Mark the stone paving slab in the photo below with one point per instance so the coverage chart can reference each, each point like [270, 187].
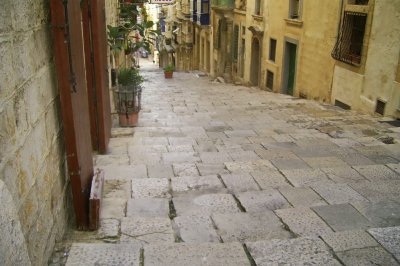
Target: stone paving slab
[298, 251]
[141, 149]
[124, 171]
[347, 240]
[105, 160]
[302, 197]
[180, 148]
[181, 141]
[239, 182]
[355, 159]
[211, 169]
[249, 166]
[150, 188]
[146, 230]
[195, 229]
[148, 158]
[395, 167]
[185, 169]
[377, 172]
[180, 157]
[113, 208]
[209, 183]
[117, 189]
[303, 221]
[304, 177]
[240, 156]
[366, 257]
[381, 214]
[337, 193]
[288, 164]
[147, 207]
[160, 171]
[325, 162]
[245, 226]
[214, 157]
[210, 254]
[269, 178]
[342, 217]
[343, 174]
[205, 204]
[260, 201]
[378, 191]
[104, 254]
[389, 238]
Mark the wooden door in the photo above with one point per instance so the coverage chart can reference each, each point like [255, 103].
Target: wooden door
[70, 69]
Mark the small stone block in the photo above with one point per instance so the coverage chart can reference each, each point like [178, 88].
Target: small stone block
[366, 257]
[269, 178]
[302, 197]
[389, 238]
[214, 157]
[196, 183]
[377, 172]
[196, 229]
[112, 208]
[185, 169]
[337, 193]
[347, 240]
[381, 214]
[239, 182]
[260, 201]
[109, 228]
[304, 177]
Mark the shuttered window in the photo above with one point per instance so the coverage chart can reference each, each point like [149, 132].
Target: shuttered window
[272, 49]
[349, 45]
[235, 42]
[270, 80]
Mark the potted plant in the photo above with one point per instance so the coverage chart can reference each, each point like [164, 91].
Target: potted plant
[169, 71]
[127, 96]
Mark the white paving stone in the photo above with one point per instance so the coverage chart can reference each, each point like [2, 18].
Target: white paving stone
[150, 188]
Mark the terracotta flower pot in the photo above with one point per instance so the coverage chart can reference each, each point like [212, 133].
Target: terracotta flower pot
[128, 120]
[168, 75]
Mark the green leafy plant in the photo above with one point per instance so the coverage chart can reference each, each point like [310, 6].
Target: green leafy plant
[130, 77]
[169, 68]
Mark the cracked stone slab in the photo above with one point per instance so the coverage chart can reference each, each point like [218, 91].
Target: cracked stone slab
[269, 178]
[211, 169]
[104, 254]
[260, 201]
[343, 174]
[124, 171]
[251, 227]
[298, 251]
[185, 169]
[302, 197]
[212, 254]
[337, 193]
[249, 166]
[304, 177]
[117, 189]
[389, 238]
[205, 204]
[303, 221]
[347, 240]
[377, 172]
[378, 191]
[160, 171]
[381, 214]
[112, 208]
[147, 207]
[195, 229]
[342, 217]
[109, 228]
[150, 188]
[239, 182]
[214, 157]
[196, 183]
[366, 257]
[147, 230]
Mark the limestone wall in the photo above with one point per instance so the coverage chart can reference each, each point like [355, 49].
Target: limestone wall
[32, 168]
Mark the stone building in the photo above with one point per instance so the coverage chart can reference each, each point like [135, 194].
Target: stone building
[366, 75]
[35, 187]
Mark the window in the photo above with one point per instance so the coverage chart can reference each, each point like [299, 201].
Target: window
[357, 2]
[272, 49]
[270, 80]
[350, 42]
[257, 10]
[243, 30]
[205, 8]
[294, 9]
[235, 42]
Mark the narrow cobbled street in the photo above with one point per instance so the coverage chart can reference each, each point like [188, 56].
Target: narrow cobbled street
[218, 174]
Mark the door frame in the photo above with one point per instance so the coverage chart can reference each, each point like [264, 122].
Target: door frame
[285, 68]
[255, 38]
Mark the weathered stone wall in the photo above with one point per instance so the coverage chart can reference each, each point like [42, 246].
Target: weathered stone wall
[32, 159]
